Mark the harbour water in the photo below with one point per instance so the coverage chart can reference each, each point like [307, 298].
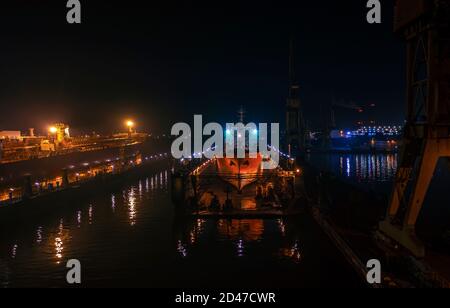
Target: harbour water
[368, 171]
[129, 236]
[376, 173]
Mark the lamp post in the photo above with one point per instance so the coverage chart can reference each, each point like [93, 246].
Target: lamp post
[130, 125]
[52, 132]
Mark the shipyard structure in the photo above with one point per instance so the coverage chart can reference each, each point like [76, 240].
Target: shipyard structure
[33, 164]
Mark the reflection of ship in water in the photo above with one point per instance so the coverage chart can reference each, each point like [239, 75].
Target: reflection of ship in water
[243, 234]
[241, 229]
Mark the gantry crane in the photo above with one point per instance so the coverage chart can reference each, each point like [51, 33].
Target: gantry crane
[424, 24]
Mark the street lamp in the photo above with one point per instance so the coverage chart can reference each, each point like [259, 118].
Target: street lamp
[130, 125]
[53, 134]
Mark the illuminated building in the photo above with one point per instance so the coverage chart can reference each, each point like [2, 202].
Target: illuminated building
[11, 135]
[366, 138]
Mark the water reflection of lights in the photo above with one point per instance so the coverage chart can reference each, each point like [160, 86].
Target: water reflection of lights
[166, 179]
[113, 203]
[196, 231]
[282, 227]
[132, 206]
[348, 167]
[14, 251]
[91, 214]
[240, 248]
[374, 167]
[250, 230]
[79, 218]
[59, 247]
[293, 252]
[181, 248]
[200, 223]
[193, 237]
[59, 240]
[140, 189]
[39, 235]
[379, 168]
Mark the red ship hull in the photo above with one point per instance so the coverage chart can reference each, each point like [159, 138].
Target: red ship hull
[240, 172]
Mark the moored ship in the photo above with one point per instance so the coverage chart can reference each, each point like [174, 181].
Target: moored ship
[240, 172]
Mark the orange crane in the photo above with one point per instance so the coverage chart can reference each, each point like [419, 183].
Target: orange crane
[425, 25]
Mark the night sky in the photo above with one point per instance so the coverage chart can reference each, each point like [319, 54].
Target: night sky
[161, 63]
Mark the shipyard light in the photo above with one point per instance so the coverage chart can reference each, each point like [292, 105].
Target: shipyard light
[130, 124]
[53, 130]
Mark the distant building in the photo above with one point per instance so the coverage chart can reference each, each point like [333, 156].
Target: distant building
[10, 134]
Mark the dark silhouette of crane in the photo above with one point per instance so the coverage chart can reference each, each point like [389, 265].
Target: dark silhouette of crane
[295, 124]
[425, 24]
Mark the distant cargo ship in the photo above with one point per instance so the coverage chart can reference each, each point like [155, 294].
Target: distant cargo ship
[98, 151]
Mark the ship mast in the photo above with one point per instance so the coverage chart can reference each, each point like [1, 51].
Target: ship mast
[295, 130]
[241, 114]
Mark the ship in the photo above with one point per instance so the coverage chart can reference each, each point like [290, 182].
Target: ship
[30, 156]
[240, 172]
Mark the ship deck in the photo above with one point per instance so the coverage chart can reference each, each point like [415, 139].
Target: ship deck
[265, 196]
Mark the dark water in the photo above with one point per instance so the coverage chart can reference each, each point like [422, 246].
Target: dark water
[376, 172]
[370, 171]
[129, 237]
